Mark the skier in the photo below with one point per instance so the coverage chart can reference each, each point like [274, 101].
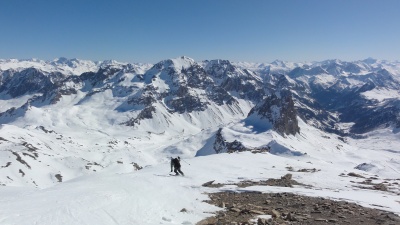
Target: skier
[175, 163]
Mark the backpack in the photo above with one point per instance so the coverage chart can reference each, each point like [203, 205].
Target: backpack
[176, 162]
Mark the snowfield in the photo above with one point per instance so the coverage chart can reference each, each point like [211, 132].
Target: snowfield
[119, 195]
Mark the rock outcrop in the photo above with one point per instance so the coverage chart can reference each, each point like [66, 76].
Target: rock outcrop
[277, 111]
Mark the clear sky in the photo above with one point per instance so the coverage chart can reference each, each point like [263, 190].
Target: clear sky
[245, 30]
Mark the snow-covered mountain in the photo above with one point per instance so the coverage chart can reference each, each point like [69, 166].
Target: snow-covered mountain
[63, 100]
[71, 118]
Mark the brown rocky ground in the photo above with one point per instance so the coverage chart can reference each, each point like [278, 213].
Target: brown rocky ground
[284, 181]
[288, 208]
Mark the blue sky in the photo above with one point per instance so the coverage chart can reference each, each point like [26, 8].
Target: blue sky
[152, 30]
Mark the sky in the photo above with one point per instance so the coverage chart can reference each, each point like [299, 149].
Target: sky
[153, 30]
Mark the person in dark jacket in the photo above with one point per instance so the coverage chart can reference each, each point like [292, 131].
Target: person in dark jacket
[176, 165]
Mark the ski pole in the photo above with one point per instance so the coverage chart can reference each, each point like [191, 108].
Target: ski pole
[186, 162]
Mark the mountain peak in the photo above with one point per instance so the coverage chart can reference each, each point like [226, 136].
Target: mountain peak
[182, 62]
[61, 60]
[278, 62]
[277, 111]
[370, 60]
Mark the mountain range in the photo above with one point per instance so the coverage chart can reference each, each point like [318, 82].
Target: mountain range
[66, 118]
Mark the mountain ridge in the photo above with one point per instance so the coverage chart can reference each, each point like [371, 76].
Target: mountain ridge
[78, 124]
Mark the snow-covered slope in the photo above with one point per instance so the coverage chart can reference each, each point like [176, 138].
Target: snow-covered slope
[151, 196]
[114, 117]
[102, 133]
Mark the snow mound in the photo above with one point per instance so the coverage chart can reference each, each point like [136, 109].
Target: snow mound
[279, 149]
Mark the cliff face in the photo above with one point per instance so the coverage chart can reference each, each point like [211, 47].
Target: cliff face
[277, 111]
[223, 146]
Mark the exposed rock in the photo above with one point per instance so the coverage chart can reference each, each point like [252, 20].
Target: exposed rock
[381, 187]
[291, 217]
[313, 170]
[21, 172]
[233, 79]
[146, 97]
[3, 139]
[136, 166]
[208, 221]
[277, 111]
[206, 184]
[235, 146]
[219, 143]
[333, 220]
[222, 146]
[285, 181]
[187, 104]
[262, 221]
[27, 81]
[7, 165]
[31, 148]
[288, 208]
[220, 96]
[19, 159]
[278, 94]
[275, 213]
[287, 177]
[184, 210]
[257, 212]
[59, 177]
[146, 113]
[45, 130]
[352, 174]
[235, 210]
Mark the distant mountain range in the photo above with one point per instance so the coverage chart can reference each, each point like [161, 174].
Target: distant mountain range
[66, 108]
[325, 93]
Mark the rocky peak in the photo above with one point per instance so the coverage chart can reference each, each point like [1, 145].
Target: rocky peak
[98, 78]
[170, 71]
[176, 64]
[30, 80]
[224, 69]
[370, 60]
[223, 146]
[219, 143]
[243, 83]
[196, 76]
[277, 111]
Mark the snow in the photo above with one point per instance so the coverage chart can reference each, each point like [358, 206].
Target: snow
[258, 124]
[182, 62]
[82, 139]
[117, 194]
[151, 196]
[381, 94]
[325, 80]
[277, 66]
[63, 65]
[7, 103]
